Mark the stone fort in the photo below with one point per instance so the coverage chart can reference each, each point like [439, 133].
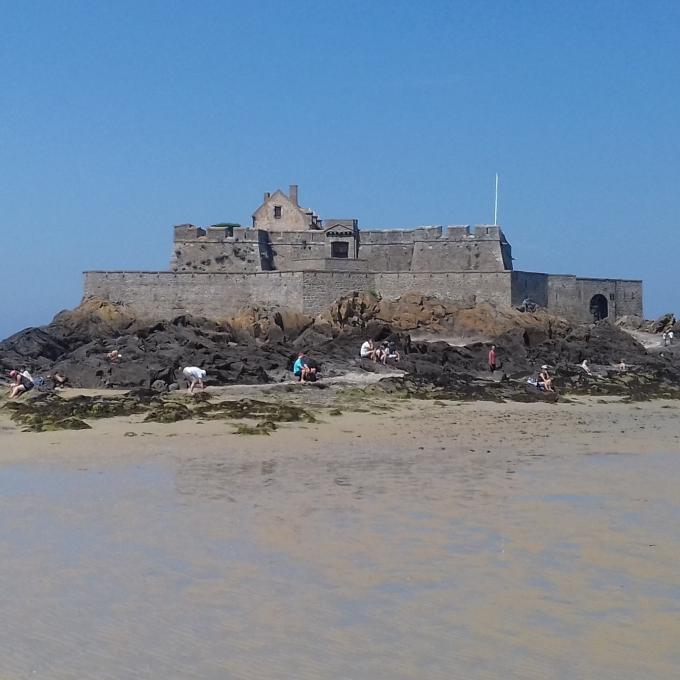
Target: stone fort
[290, 257]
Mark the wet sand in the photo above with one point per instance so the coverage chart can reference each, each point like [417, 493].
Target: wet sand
[437, 540]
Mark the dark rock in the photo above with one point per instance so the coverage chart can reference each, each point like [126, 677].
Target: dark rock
[264, 345]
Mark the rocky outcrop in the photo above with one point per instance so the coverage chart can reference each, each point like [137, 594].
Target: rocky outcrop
[665, 322]
[259, 344]
[269, 325]
[417, 312]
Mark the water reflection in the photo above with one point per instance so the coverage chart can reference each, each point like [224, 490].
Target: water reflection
[361, 565]
[423, 474]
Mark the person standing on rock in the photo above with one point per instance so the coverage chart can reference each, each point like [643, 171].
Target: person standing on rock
[492, 359]
[195, 376]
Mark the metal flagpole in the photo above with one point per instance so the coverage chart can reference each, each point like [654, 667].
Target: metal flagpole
[495, 204]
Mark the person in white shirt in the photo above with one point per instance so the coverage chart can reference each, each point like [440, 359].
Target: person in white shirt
[195, 376]
[22, 382]
[369, 351]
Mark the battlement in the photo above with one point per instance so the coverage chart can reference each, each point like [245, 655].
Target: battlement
[230, 247]
[455, 232]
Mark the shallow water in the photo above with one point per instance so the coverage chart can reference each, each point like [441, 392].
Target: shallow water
[349, 565]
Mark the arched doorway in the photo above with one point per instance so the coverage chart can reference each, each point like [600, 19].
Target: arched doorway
[599, 307]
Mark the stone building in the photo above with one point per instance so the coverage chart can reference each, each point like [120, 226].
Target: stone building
[291, 257]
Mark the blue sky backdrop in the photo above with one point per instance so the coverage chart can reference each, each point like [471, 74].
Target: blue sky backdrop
[120, 119]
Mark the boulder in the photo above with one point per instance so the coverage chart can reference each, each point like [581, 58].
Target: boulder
[631, 322]
[664, 322]
[268, 324]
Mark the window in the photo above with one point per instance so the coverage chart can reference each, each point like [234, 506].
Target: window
[611, 297]
[277, 212]
[340, 249]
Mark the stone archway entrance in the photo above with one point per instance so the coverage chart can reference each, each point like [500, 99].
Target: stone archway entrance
[599, 307]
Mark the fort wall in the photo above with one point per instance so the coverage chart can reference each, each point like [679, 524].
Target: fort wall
[164, 295]
[436, 249]
[571, 296]
[216, 294]
[320, 289]
[425, 249]
[465, 287]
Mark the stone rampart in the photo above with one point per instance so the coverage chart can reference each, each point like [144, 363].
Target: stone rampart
[216, 294]
[436, 249]
[320, 289]
[572, 297]
[168, 294]
[424, 249]
[467, 287]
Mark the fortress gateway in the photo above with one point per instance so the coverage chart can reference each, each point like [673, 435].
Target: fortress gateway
[291, 258]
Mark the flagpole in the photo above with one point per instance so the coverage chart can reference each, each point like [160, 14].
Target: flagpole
[495, 204]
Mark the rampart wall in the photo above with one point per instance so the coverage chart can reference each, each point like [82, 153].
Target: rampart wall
[425, 249]
[436, 249]
[168, 294]
[217, 294]
[570, 296]
[467, 287]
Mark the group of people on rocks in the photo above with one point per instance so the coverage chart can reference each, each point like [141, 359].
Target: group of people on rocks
[22, 382]
[387, 351]
[306, 369]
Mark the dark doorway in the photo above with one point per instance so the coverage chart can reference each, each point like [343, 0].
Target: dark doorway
[340, 249]
[599, 307]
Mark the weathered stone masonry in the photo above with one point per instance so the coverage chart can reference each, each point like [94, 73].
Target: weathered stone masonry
[292, 258]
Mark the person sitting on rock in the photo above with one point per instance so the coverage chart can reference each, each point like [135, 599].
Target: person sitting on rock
[302, 370]
[621, 366]
[370, 351]
[114, 355]
[22, 382]
[528, 305]
[389, 352]
[59, 380]
[195, 376]
[545, 380]
[585, 367]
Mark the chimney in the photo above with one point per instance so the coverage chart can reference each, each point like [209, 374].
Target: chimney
[292, 194]
[266, 196]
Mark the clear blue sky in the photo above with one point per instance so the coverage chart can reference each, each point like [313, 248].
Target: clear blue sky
[120, 119]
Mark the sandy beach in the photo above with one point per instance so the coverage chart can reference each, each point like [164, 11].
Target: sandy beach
[426, 540]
